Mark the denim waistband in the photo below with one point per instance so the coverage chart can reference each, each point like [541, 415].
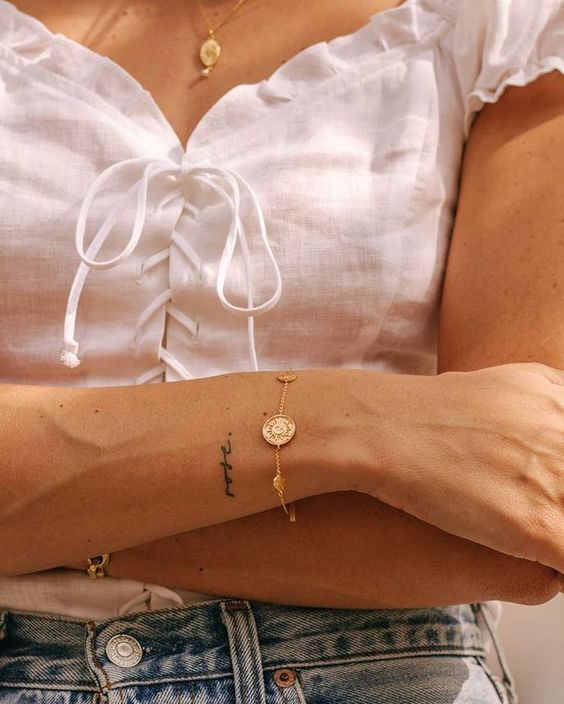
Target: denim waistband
[196, 641]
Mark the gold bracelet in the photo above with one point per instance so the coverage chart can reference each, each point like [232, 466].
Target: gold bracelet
[97, 565]
[278, 430]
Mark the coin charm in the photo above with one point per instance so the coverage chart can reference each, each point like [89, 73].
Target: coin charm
[287, 376]
[278, 429]
[209, 54]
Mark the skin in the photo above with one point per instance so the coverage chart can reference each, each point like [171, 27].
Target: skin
[128, 33]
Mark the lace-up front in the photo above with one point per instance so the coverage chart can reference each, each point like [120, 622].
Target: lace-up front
[227, 184]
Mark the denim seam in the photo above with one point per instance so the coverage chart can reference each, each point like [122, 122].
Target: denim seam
[297, 665]
[494, 681]
[390, 655]
[58, 687]
[91, 655]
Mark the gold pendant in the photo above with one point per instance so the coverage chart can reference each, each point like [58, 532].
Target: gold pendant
[210, 52]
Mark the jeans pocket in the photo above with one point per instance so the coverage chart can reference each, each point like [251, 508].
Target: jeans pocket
[404, 679]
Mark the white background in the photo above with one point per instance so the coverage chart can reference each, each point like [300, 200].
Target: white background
[533, 640]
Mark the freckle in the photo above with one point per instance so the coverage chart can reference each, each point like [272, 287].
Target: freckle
[60, 405]
[96, 410]
[347, 414]
[89, 540]
[40, 416]
[264, 413]
[226, 408]
[201, 569]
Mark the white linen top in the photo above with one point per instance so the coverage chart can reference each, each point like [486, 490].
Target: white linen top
[319, 201]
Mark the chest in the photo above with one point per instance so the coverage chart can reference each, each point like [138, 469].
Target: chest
[345, 163]
[158, 43]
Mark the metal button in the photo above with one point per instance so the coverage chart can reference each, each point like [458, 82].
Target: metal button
[124, 650]
[284, 677]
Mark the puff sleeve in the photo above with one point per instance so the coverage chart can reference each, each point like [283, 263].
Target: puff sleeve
[496, 43]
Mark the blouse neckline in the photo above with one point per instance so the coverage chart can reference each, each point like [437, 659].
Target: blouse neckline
[275, 77]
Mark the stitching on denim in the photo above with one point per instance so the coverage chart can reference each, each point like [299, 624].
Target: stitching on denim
[503, 698]
[91, 627]
[313, 663]
[389, 655]
[60, 686]
[298, 689]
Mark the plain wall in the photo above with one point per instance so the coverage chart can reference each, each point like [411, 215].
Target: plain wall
[533, 639]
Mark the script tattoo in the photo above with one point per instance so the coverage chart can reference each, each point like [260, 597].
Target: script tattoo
[226, 466]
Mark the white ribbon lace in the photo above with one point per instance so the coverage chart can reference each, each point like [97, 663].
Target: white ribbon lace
[228, 185]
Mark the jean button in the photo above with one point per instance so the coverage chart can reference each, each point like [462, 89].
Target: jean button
[124, 650]
[284, 677]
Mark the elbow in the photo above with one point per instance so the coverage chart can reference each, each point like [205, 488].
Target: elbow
[532, 584]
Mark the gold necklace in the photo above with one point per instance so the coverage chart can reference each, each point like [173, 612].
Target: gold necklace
[210, 49]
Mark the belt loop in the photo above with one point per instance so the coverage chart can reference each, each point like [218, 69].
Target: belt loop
[483, 610]
[3, 625]
[244, 647]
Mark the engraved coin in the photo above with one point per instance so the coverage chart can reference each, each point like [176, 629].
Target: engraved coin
[124, 650]
[209, 52]
[278, 429]
[287, 376]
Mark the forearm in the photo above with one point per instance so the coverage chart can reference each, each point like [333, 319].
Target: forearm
[105, 469]
[348, 550]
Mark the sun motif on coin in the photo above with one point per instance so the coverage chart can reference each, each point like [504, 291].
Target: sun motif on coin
[278, 429]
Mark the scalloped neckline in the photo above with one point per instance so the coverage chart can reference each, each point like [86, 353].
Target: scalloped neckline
[128, 77]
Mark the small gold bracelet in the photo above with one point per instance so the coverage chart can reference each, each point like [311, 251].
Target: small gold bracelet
[278, 430]
[97, 565]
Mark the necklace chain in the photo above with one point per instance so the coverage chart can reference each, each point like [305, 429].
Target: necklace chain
[210, 50]
[212, 30]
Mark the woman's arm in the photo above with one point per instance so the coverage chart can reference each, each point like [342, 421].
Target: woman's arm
[91, 470]
[348, 550]
[503, 294]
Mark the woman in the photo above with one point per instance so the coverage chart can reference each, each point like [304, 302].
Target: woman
[329, 140]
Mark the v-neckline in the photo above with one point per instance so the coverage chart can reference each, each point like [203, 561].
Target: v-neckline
[129, 78]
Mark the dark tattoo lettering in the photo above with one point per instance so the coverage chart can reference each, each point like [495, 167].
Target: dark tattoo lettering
[226, 466]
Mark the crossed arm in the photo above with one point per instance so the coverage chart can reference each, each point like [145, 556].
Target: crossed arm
[503, 300]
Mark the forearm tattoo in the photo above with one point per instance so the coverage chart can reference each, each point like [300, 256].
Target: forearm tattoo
[226, 467]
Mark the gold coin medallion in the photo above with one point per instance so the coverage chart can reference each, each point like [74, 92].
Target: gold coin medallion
[278, 429]
[287, 376]
[210, 52]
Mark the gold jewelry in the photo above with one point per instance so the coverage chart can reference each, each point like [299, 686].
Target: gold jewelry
[97, 565]
[278, 430]
[210, 49]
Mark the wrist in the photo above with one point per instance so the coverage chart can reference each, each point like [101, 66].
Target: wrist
[381, 439]
[336, 447]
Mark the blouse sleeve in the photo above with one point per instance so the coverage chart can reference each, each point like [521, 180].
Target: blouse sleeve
[496, 43]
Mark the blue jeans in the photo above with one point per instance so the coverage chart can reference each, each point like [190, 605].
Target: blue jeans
[234, 651]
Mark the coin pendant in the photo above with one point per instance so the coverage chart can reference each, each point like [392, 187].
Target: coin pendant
[278, 429]
[287, 376]
[209, 52]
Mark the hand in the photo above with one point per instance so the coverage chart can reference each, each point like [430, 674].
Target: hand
[480, 454]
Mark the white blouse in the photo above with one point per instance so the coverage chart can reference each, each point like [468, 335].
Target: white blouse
[306, 222]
